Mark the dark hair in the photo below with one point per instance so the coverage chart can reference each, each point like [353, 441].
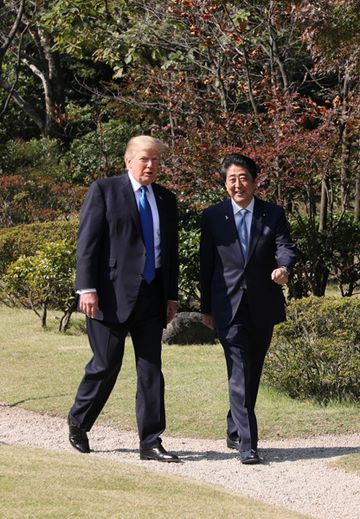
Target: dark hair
[238, 160]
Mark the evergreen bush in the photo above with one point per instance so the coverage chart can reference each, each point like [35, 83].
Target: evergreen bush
[42, 281]
[331, 254]
[26, 239]
[316, 352]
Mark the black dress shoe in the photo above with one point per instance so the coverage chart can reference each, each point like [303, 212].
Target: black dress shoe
[232, 444]
[78, 438]
[158, 454]
[250, 457]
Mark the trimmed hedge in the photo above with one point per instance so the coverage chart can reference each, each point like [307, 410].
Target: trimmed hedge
[26, 239]
[316, 352]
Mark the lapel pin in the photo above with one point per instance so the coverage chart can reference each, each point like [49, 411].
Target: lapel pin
[226, 217]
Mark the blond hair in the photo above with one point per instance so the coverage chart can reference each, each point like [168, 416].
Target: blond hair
[144, 142]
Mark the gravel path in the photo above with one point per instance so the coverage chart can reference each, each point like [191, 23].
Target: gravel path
[295, 474]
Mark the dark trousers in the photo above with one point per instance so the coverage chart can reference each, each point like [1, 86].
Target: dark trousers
[245, 342]
[107, 341]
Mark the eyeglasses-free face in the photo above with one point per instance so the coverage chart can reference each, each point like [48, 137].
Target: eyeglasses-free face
[240, 185]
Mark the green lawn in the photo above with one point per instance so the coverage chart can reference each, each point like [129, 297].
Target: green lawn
[42, 485]
[40, 370]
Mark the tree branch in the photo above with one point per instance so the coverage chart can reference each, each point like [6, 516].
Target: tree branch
[4, 47]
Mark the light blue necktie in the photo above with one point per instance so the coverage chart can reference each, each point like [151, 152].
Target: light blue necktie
[243, 232]
[148, 233]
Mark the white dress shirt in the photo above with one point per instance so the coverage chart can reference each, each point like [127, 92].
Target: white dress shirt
[155, 214]
[156, 222]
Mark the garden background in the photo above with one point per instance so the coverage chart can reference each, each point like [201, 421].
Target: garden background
[275, 79]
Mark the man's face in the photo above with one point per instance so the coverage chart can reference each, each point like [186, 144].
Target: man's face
[240, 185]
[143, 164]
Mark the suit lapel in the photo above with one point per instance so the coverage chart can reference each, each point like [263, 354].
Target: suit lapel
[256, 226]
[231, 230]
[131, 204]
[160, 202]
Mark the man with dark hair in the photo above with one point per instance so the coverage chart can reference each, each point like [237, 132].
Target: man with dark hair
[127, 279]
[246, 254]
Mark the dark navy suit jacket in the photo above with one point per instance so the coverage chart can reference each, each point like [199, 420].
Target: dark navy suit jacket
[223, 271]
[111, 251]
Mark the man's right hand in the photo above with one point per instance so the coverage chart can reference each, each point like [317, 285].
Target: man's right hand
[88, 303]
[208, 320]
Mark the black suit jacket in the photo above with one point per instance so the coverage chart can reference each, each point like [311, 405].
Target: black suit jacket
[111, 250]
[223, 271]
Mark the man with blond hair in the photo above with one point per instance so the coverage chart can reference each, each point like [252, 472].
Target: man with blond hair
[127, 281]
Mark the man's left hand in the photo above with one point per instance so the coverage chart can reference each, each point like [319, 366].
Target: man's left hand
[171, 310]
[280, 276]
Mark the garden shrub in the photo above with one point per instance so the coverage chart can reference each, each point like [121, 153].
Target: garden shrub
[36, 156]
[36, 199]
[189, 256]
[331, 254]
[316, 352]
[189, 293]
[42, 281]
[26, 239]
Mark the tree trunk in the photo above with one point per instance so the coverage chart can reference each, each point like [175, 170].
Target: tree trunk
[43, 315]
[345, 145]
[47, 69]
[323, 206]
[274, 52]
[26, 107]
[43, 63]
[320, 280]
[357, 188]
[65, 321]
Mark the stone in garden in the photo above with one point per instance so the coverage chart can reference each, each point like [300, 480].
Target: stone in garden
[187, 328]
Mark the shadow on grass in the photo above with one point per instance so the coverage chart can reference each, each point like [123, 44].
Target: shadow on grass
[33, 398]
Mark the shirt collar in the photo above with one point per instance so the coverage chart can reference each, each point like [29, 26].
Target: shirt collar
[135, 184]
[237, 208]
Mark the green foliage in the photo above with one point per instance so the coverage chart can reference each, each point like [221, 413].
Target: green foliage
[189, 297]
[15, 123]
[28, 200]
[98, 153]
[208, 78]
[315, 353]
[334, 252]
[87, 27]
[36, 156]
[26, 239]
[45, 280]
[189, 245]
[341, 25]
[346, 250]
